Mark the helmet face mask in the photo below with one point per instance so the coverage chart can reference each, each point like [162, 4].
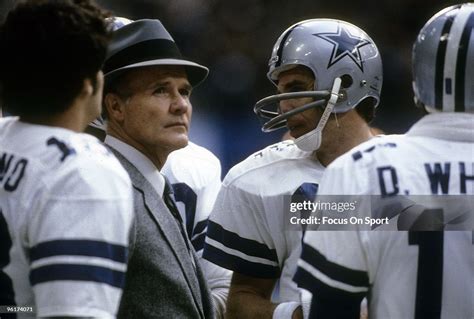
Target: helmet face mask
[443, 61]
[330, 49]
[268, 107]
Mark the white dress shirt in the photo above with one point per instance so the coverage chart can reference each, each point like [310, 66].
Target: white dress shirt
[140, 161]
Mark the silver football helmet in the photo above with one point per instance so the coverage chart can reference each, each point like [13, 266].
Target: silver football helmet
[443, 61]
[346, 65]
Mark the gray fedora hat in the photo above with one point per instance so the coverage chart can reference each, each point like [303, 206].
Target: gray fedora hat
[143, 43]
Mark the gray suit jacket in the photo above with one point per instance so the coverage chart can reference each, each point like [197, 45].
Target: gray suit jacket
[161, 281]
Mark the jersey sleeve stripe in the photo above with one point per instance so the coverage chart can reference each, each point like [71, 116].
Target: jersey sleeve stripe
[337, 303]
[230, 251]
[238, 264]
[334, 271]
[77, 273]
[198, 242]
[200, 226]
[305, 280]
[329, 281]
[74, 247]
[234, 241]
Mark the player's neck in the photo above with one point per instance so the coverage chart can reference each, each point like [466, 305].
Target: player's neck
[74, 119]
[343, 139]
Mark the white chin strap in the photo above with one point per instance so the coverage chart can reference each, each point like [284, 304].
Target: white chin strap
[311, 141]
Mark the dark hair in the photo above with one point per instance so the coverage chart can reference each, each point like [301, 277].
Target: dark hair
[366, 109]
[47, 50]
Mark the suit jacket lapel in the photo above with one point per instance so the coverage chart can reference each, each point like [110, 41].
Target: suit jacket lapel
[167, 224]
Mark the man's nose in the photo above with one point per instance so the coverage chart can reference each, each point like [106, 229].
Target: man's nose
[286, 105]
[179, 103]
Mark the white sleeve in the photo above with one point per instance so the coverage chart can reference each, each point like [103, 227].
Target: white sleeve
[218, 280]
[238, 238]
[333, 260]
[78, 239]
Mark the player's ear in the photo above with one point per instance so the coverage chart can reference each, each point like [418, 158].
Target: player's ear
[87, 88]
[91, 86]
[114, 106]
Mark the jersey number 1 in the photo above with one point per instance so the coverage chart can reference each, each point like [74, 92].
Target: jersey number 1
[430, 273]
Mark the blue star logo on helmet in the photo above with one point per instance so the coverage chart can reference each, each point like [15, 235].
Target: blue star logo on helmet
[344, 44]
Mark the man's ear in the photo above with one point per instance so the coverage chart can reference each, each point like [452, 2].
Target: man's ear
[87, 87]
[115, 107]
[90, 86]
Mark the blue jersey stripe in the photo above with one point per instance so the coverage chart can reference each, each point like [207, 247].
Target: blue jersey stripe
[198, 242]
[238, 264]
[334, 271]
[234, 241]
[200, 226]
[329, 302]
[72, 247]
[77, 273]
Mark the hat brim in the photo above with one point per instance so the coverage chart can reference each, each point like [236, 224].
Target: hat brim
[196, 73]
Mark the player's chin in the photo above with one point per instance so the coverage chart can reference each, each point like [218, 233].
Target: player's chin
[298, 132]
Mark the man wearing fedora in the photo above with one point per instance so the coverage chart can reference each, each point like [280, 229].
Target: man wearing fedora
[146, 98]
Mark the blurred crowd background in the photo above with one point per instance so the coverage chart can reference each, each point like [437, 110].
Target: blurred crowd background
[235, 38]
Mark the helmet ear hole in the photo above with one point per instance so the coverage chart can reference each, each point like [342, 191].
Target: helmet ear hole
[346, 81]
[366, 108]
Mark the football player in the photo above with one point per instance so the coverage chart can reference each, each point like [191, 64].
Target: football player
[65, 201]
[328, 74]
[408, 274]
[195, 175]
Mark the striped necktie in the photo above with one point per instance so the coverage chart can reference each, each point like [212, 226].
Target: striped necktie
[168, 198]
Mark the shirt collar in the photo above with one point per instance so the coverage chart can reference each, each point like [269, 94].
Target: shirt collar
[457, 127]
[140, 161]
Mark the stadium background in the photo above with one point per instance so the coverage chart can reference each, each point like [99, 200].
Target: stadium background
[234, 39]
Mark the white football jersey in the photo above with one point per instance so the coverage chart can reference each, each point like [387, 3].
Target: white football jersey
[65, 214]
[404, 274]
[195, 174]
[247, 231]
